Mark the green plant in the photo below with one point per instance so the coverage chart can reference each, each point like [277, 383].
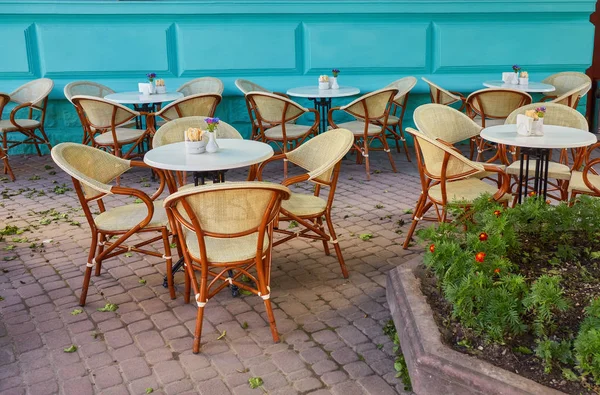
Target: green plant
[587, 343]
[389, 329]
[549, 351]
[108, 307]
[545, 298]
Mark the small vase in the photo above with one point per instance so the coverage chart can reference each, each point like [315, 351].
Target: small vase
[537, 127]
[515, 79]
[151, 88]
[334, 83]
[212, 146]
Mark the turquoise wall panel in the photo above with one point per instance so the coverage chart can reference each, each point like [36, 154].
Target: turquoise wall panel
[16, 49]
[282, 44]
[374, 46]
[251, 48]
[102, 49]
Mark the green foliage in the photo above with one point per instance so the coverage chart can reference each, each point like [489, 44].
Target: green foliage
[255, 382]
[545, 298]
[70, 349]
[108, 307]
[365, 236]
[389, 329]
[549, 351]
[587, 343]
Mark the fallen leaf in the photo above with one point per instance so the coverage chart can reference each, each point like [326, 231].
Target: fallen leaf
[73, 348]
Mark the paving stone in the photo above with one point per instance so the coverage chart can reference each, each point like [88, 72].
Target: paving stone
[118, 338]
[168, 371]
[376, 385]
[324, 366]
[287, 361]
[358, 369]
[344, 355]
[135, 368]
[149, 340]
[213, 386]
[308, 384]
[334, 377]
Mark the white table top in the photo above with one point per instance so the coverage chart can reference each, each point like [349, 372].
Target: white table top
[232, 154]
[138, 98]
[554, 137]
[532, 87]
[314, 91]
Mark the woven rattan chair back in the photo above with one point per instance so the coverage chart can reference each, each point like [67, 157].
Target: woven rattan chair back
[173, 131]
[202, 85]
[246, 86]
[438, 121]
[320, 154]
[572, 97]
[203, 104]
[94, 169]
[495, 103]
[431, 155]
[86, 88]
[567, 81]
[273, 109]
[440, 95]
[227, 210]
[372, 106]
[404, 86]
[34, 92]
[103, 114]
[4, 100]
[556, 114]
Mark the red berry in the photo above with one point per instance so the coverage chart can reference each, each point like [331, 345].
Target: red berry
[480, 257]
[483, 236]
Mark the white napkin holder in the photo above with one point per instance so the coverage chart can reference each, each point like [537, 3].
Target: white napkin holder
[524, 125]
[161, 90]
[324, 85]
[145, 88]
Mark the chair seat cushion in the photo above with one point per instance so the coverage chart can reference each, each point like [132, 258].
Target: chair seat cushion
[577, 183]
[220, 250]
[392, 120]
[467, 190]
[302, 205]
[123, 218]
[488, 122]
[358, 128]
[292, 132]
[124, 136]
[7, 126]
[557, 171]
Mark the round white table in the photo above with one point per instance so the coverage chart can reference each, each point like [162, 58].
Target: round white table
[232, 154]
[322, 99]
[532, 87]
[538, 148]
[145, 104]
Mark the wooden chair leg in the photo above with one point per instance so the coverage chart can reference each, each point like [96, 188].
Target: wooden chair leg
[365, 155]
[198, 330]
[45, 136]
[336, 245]
[7, 168]
[325, 242]
[201, 300]
[88, 270]
[101, 240]
[386, 148]
[403, 138]
[419, 211]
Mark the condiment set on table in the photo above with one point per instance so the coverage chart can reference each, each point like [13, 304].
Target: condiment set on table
[325, 82]
[516, 77]
[199, 141]
[153, 86]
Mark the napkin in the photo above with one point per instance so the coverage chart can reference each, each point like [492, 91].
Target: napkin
[144, 88]
[507, 77]
[524, 125]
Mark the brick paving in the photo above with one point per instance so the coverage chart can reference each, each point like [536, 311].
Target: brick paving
[331, 328]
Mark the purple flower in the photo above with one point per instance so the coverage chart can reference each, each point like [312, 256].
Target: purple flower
[151, 76]
[212, 120]
[335, 72]
[516, 68]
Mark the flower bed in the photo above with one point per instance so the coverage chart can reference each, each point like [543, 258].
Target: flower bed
[520, 288]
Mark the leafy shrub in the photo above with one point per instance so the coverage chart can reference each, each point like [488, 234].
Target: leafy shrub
[587, 343]
[550, 350]
[545, 297]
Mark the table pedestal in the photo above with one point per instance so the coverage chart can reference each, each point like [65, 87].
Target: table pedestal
[322, 105]
[199, 179]
[540, 177]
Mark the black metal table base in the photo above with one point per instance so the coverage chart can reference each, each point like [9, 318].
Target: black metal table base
[199, 179]
[540, 156]
[322, 105]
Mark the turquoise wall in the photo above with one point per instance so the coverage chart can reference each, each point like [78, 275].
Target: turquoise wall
[285, 43]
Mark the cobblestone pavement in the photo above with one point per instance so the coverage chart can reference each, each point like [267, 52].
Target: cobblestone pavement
[331, 328]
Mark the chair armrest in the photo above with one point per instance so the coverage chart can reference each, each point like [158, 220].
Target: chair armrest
[159, 172]
[281, 94]
[118, 190]
[330, 117]
[15, 110]
[296, 179]
[547, 98]
[264, 163]
[317, 116]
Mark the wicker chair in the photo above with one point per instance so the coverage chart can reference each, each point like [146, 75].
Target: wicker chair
[227, 227]
[92, 171]
[5, 99]
[274, 114]
[173, 132]
[202, 85]
[586, 181]
[447, 124]
[567, 81]
[572, 97]
[201, 104]
[559, 115]
[397, 110]
[321, 158]
[100, 114]
[246, 86]
[33, 96]
[89, 88]
[490, 107]
[371, 112]
[447, 176]
[443, 96]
